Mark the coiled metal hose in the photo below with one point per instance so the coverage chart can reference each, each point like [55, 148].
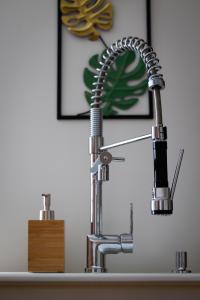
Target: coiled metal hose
[155, 79]
[119, 47]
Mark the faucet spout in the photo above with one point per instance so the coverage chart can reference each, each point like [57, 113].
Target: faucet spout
[99, 246]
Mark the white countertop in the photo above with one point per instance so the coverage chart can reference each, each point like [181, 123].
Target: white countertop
[25, 277]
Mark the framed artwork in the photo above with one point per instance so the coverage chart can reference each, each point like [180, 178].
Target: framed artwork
[85, 29]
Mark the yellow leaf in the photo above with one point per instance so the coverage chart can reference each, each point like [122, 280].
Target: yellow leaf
[85, 17]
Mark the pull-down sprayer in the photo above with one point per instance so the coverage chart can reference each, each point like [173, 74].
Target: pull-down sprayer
[99, 244]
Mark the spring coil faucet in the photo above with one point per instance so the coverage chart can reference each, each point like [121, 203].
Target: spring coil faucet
[99, 244]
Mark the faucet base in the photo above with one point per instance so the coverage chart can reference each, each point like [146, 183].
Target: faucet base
[95, 269]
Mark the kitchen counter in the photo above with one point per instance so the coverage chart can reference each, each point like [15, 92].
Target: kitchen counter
[25, 277]
[140, 286]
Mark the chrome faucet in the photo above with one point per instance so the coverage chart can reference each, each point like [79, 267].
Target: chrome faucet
[99, 244]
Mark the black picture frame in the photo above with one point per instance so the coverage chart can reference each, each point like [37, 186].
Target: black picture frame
[60, 115]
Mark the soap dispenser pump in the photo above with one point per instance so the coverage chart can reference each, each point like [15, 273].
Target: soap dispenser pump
[46, 213]
[46, 241]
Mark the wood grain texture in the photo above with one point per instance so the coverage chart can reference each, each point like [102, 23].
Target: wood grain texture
[46, 246]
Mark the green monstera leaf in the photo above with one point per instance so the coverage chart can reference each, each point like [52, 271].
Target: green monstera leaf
[124, 84]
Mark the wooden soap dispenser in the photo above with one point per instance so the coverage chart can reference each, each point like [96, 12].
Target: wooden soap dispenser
[46, 241]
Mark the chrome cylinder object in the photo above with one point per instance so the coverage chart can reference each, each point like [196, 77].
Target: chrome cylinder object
[158, 106]
[46, 213]
[161, 203]
[181, 262]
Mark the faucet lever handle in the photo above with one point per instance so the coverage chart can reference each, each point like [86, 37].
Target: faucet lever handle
[118, 159]
[127, 238]
[176, 173]
[131, 218]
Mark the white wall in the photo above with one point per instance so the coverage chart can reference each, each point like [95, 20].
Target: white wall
[40, 154]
